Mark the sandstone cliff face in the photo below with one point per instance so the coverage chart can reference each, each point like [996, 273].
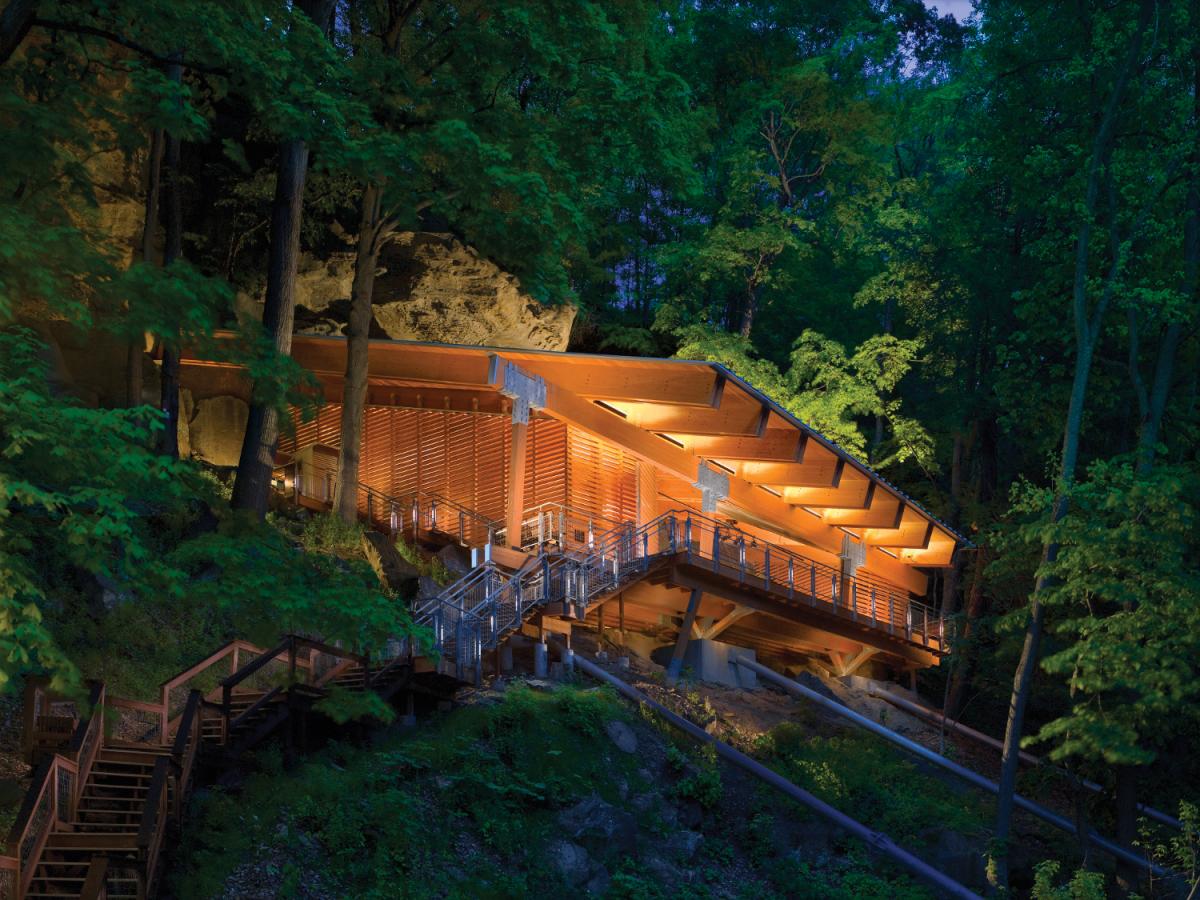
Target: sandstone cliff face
[430, 287]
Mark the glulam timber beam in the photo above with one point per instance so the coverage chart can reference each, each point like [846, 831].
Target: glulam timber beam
[853, 492]
[730, 418]
[773, 445]
[676, 384]
[744, 499]
[885, 512]
[817, 473]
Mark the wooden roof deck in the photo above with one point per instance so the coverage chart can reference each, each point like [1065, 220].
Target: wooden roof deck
[784, 477]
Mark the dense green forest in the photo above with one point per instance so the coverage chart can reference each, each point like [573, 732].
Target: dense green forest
[968, 251]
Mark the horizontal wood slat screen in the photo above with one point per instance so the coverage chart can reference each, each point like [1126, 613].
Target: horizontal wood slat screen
[601, 478]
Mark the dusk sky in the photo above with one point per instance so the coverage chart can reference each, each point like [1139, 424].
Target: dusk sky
[960, 9]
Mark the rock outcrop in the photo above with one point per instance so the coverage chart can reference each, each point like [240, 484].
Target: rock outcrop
[430, 287]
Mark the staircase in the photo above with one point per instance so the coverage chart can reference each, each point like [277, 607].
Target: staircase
[479, 611]
[102, 802]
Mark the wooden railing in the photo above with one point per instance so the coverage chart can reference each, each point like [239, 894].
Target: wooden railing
[52, 799]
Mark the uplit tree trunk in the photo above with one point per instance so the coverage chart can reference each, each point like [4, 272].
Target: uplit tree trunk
[257, 459]
[371, 232]
[136, 349]
[1087, 333]
[172, 250]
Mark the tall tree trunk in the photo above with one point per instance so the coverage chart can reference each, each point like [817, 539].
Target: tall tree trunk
[1154, 405]
[172, 250]
[1165, 366]
[748, 312]
[15, 21]
[257, 459]
[1087, 332]
[354, 389]
[136, 351]
[965, 654]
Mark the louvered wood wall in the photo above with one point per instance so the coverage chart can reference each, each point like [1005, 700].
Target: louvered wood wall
[461, 456]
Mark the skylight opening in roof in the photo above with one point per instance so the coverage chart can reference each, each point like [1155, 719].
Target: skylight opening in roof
[610, 408]
[670, 440]
[812, 513]
[770, 490]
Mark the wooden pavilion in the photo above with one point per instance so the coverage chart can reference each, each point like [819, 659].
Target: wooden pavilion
[762, 531]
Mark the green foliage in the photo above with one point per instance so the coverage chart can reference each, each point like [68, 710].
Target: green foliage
[343, 705]
[1084, 885]
[860, 772]
[266, 585]
[82, 496]
[703, 785]
[386, 822]
[1125, 598]
[329, 533]
[835, 393]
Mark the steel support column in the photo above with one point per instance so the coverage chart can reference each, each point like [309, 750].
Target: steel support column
[685, 633]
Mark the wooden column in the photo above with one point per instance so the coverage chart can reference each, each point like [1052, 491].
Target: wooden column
[685, 633]
[516, 483]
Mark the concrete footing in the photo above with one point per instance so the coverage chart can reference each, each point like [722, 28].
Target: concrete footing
[541, 660]
[716, 662]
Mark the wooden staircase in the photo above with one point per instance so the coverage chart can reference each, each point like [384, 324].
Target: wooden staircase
[105, 797]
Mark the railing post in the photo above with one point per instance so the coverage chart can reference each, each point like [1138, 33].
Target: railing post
[393, 518]
[908, 621]
[874, 618]
[741, 560]
[370, 507]
[854, 599]
[925, 625]
[645, 550]
[891, 613]
[767, 568]
[462, 527]
[716, 551]
[416, 517]
[687, 536]
[833, 591]
[791, 578]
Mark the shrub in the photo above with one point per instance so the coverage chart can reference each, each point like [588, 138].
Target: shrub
[328, 533]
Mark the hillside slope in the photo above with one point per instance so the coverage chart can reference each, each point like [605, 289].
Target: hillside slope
[535, 786]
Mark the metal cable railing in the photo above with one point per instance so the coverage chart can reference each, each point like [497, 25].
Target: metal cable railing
[475, 613]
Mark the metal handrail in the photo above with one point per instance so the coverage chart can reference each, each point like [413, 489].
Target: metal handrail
[426, 511]
[476, 612]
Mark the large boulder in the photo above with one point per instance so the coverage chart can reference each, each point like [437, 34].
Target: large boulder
[600, 827]
[430, 287]
[215, 428]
